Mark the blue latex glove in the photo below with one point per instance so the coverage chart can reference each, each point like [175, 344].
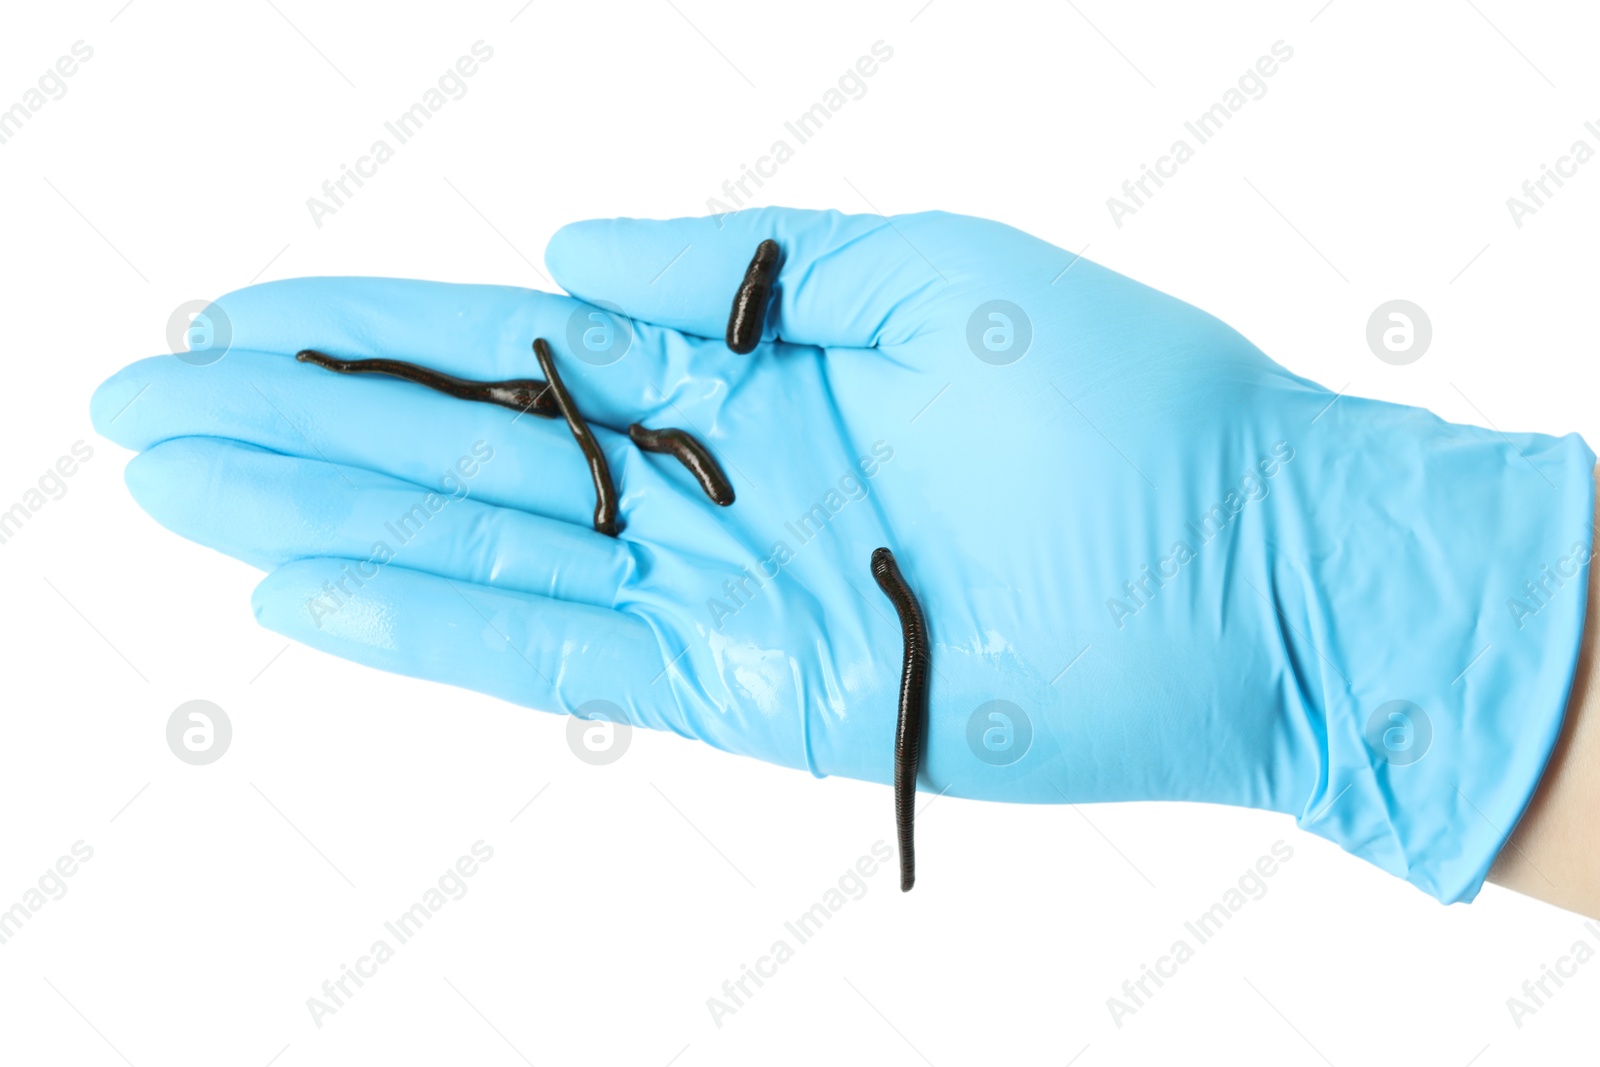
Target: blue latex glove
[1190, 574]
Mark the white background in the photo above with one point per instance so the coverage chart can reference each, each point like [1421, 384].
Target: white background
[219, 898]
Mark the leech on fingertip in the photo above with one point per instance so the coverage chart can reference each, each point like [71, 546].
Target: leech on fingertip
[518, 394]
[695, 457]
[749, 312]
[913, 714]
[605, 493]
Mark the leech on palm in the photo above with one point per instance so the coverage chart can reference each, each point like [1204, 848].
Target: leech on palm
[525, 395]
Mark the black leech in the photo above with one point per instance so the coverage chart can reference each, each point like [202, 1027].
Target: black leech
[913, 704]
[692, 454]
[519, 394]
[749, 312]
[605, 494]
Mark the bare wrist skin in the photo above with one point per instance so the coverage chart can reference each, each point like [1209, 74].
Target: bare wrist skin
[1552, 853]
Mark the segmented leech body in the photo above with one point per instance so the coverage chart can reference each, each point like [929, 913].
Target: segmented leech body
[532, 396]
[749, 312]
[692, 454]
[605, 493]
[913, 705]
[519, 394]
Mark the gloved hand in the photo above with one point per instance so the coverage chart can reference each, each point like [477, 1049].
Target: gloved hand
[1182, 571]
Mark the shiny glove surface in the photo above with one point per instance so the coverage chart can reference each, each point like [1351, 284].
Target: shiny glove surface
[1155, 564]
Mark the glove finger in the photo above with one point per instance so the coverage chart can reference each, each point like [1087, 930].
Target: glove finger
[844, 280]
[268, 509]
[388, 426]
[546, 654]
[482, 332]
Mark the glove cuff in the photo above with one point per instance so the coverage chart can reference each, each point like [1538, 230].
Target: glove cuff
[1449, 566]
